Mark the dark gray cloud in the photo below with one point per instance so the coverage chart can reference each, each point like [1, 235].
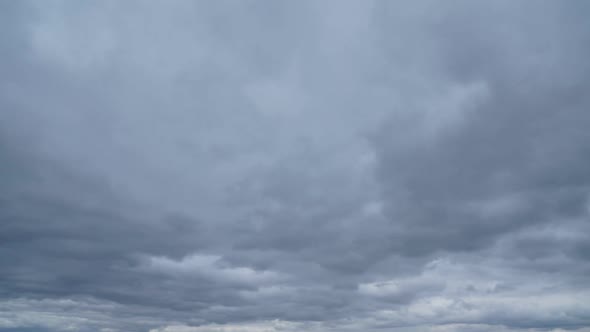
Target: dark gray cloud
[197, 166]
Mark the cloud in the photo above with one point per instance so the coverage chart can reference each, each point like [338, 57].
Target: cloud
[286, 166]
[258, 327]
[210, 267]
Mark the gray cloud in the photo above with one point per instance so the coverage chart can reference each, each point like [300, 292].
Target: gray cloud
[319, 166]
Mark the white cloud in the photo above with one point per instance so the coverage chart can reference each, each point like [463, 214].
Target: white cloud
[210, 266]
[268, 326]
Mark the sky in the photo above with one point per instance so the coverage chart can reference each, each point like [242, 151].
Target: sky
[286, 166]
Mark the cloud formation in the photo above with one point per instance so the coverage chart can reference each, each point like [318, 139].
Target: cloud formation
[254, 166]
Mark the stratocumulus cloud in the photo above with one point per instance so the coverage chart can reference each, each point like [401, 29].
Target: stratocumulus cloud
[265, 166]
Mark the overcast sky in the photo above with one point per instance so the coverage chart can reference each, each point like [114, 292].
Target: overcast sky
[289, 166]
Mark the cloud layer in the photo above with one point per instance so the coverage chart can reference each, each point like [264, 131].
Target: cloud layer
[252, 166]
